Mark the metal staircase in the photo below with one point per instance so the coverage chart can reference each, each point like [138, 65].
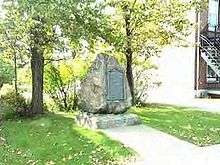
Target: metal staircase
[210, 52]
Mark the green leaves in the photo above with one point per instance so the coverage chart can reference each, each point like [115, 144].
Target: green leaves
[61, 80]
[36, 22]
[151, 22]
[6, 73]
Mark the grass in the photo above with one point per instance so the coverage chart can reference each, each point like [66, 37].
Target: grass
[55, 139]
[198, 127]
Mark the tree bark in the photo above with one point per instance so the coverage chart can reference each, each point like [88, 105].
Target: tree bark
[1, 84]
[15, 73]
[129, 53]
[129, 74]
[37, 68]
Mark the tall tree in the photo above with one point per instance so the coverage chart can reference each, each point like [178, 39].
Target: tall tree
[10, 34]
[138, 29]
[39, 41]
[46, 25]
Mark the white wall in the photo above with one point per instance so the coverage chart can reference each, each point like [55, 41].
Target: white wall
[176, 67]
[176, 74]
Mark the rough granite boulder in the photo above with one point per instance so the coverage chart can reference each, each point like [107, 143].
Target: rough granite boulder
[105, 89]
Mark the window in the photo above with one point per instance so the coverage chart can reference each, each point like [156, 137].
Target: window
[213, 14]
[212, 77]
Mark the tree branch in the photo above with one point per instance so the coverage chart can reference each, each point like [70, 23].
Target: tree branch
[52, 60]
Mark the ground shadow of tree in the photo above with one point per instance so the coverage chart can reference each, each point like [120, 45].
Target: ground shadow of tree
[56, 137]
[197, 127]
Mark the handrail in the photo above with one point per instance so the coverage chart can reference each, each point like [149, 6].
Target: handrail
[209, 44]
[206, 30]
[213, 32]
[215, 68]
[204, 38]
[215, 43]
[211, 53]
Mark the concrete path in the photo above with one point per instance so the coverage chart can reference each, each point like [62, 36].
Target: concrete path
[210, 105]
[157, 148]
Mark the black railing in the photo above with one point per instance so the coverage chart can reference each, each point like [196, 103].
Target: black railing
[211, 51]
[211, 76]
[208, 44]
[212, 35]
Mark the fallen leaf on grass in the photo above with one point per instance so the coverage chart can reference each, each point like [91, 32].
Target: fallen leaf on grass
[2, 140]
[50, 162]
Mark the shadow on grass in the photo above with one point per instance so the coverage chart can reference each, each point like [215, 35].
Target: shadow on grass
[161, 106]
[56, 138]
[198, 127]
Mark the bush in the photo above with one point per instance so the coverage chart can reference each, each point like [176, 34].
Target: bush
[60, 85]
[12, 105]
[6, 72]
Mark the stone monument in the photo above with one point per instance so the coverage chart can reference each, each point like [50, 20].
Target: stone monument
[104, 96]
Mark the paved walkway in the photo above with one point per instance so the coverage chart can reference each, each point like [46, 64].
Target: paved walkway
[157, 148]
[211, 105]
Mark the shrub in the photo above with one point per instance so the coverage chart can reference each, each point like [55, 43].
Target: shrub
[6, 72]
[145, 79]
[60, 85]
[12, 105]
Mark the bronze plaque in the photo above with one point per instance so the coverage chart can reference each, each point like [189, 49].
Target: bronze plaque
[115, 85]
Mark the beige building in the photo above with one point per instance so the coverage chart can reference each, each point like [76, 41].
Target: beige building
[193, 71]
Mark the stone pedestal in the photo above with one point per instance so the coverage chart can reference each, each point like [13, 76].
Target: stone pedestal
[104, 121]
[104, 96]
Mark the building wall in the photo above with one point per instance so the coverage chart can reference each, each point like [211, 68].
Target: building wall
[176, 74]
[177, 70]
[203, 85]
[203, 19]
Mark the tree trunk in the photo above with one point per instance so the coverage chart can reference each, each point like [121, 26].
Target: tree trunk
[65, 100]
[130, 77]
[37, 67]
[15, 73]
[129, 74]
[129, 53]
[1, 84]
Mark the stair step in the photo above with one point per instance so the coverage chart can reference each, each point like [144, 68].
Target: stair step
[213, 57]
[210, 52]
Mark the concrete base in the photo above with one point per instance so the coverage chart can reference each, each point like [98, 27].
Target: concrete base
[104, 121]
[208, 93]
[201, 94]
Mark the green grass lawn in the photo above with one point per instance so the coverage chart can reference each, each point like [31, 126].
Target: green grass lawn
[55, 139]
[200, 128]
